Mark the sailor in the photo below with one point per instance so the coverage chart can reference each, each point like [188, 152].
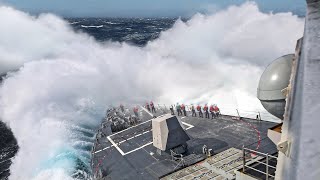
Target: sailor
[171, 109]
[193, 111]
[178, 107]
[131, 121]
[135, 110]
[213, 115]
[200, 111]
[122, 107]
[148, 107]
[152, 107]
[183, 108]
[205, 109]
[216, 110]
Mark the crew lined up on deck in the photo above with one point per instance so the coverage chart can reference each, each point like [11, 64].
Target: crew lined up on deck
[181, 110]
[135, 110]
[152, 109]
[213, 109]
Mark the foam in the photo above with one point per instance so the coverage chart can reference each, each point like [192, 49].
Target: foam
[99, 26]
[67, 79]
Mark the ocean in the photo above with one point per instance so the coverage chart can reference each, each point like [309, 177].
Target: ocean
[136, 31]
[69, 70]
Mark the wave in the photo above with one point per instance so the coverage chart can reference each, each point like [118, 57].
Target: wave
[75, 22]
[56, 100]
[109, 22]
[99, 26]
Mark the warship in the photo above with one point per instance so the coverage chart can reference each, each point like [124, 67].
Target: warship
[162, 145]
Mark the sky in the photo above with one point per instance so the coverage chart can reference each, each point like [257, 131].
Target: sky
[144, 8]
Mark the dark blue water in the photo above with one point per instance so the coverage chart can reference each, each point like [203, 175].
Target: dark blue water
[137, 31]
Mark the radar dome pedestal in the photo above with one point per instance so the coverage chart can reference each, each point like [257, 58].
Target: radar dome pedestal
[274, 79]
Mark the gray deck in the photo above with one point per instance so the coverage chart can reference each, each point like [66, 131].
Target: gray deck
[129, 154]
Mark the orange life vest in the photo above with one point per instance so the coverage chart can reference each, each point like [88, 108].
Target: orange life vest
[216, 108]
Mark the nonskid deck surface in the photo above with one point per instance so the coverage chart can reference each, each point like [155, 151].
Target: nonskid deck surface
[218, 167]
[129, 154]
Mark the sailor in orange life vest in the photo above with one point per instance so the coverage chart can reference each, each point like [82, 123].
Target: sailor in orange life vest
[205, 109]
[148, 107]
[135, 110]
[213, 115]
[200, 111]
[216, 110]
[193, 111]
[183, 108]
[152, 107]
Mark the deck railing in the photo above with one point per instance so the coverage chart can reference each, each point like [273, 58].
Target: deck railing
[267, 158]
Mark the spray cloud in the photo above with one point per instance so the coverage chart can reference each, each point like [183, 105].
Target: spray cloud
[67, 79]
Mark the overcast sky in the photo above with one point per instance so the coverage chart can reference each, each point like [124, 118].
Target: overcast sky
[144, 8]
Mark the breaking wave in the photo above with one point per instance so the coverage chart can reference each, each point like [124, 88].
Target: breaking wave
[75, 22]
[56, 100]
[108, 22]
[84, 26]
